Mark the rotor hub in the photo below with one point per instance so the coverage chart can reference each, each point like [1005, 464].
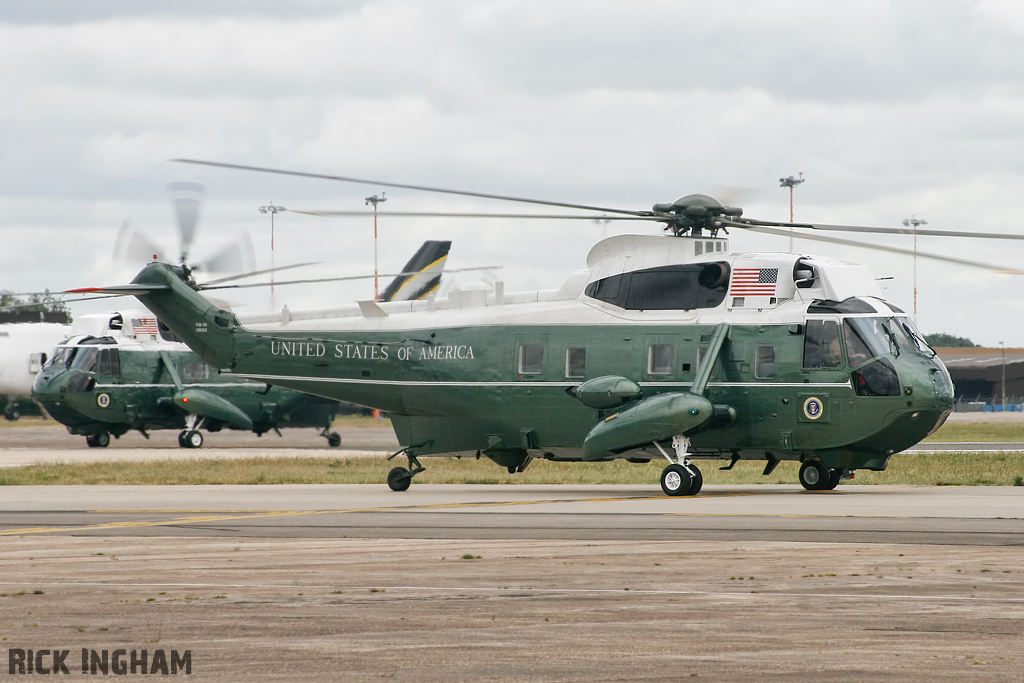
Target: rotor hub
[694, 214]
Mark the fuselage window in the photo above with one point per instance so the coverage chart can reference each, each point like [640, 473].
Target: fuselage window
[531, 359]
[878, 378]
[821, 345]
[110, 363]
[575, 361]
[678, 287]
[764, 362]
[701, 352]
[165, 332]
[660, 359]
[195, 370]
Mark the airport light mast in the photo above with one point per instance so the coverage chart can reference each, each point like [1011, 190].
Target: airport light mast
[791, 182]
[375, 200]
[913, 223]
[271, 209]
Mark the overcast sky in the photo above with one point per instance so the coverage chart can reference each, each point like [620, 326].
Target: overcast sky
[891, 110]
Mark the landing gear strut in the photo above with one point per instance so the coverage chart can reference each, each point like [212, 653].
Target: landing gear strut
[681, 477]
[333, 438]
[400, 478]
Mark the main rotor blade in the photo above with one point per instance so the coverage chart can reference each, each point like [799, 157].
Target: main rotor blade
[62, 301]
[423, 188]
[341, 279]
[864, 245]
[889, 231]
[443, 214]
[254, 273]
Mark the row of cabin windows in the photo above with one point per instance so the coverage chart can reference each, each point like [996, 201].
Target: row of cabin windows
[660, 360]
[107, 363]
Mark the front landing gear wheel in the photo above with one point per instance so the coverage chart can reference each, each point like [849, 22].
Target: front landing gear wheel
[676, 481]
[333, 439]
[399, 479]
[191, 439]
[814, 476]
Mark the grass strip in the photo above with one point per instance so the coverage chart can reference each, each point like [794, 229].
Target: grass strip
[953, 469]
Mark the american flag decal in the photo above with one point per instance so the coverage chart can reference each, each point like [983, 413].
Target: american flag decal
[754, 281]
[144, 326]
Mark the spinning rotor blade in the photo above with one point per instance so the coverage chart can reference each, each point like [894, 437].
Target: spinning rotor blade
[854, 243]
[236, 256]
[887, 231]
[133, 246]
[188, 200]
[481, 195]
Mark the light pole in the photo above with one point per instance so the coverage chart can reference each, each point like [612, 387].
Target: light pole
[271, 209]
[913, 223]
[1002, 348]
[375, 200]
[791, 182]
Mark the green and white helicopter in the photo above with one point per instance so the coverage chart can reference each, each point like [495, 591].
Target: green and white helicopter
[664, 346]
[125, 370]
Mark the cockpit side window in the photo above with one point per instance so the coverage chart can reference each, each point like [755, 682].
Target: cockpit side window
[821, 345]
[85, 359]
[867, 338]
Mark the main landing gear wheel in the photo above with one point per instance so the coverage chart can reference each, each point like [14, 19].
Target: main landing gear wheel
[835, 476]
[190, 439]
[399, 479]
[101, 440]
[676, 480]
[815, 476]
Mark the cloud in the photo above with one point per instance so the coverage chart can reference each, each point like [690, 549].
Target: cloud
[890, 109]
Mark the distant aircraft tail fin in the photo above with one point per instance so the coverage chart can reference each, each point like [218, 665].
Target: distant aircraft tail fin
[425, 267]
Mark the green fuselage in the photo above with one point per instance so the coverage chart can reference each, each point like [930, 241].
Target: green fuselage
[498, 386]
[138, 393]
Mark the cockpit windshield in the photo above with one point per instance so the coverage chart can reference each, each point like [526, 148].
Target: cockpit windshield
[62, 357]
[867, 338]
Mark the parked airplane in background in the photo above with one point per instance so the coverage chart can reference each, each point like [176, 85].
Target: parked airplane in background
[25, 342]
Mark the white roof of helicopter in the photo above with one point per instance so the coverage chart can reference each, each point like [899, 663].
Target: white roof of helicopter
[128, 327]
[482, 304]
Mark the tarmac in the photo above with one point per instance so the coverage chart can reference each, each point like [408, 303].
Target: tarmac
[503, 583]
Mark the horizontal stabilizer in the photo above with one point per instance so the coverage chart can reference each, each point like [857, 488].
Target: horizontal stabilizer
[119, 289]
